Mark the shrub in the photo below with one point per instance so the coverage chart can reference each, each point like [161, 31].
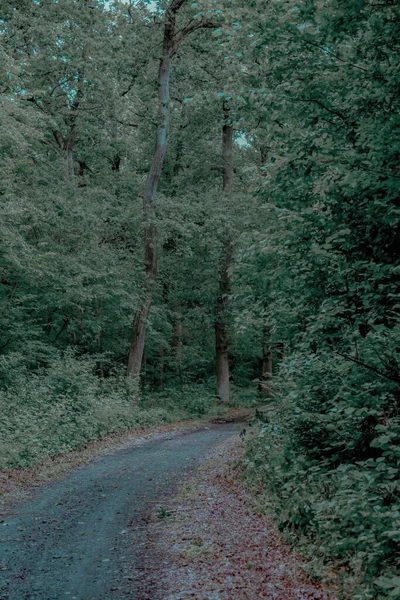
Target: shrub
[66, 405]
[329, 457]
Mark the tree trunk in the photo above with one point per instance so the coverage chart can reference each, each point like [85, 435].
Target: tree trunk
[159, 379]
[150, 193]
[227, 151]
[266, 375]
[100, 335]
[177, 344]
[170, 44]
[221, 345]
[221, 324]
[73, 122]
[116, 158]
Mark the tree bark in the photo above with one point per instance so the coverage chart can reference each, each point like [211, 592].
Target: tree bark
[116, 158]
[73, 122]
[150, 192]
[221, 324]
[170, 44]
[160, 379]
[177, 343]
[266, 375]
[221, 346]
[227, 151]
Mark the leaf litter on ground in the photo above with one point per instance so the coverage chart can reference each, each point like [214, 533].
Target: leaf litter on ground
[214, 545]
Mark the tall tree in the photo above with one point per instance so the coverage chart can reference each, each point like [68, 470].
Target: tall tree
[171, 40]
[221, 323]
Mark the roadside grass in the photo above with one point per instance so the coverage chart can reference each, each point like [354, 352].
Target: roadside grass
[37, 431]
[18, 482]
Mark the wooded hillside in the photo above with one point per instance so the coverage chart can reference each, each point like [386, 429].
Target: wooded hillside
[199, 203]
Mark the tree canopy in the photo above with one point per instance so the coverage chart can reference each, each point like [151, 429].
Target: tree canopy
[260, 233]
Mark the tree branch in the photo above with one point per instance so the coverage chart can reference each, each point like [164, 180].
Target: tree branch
[326, 50]
[395, 378]
[6, 343]
[176, 5]
[127, 124]
[194, 27]
[130, 86]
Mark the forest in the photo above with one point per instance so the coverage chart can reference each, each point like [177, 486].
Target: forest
[200, 206]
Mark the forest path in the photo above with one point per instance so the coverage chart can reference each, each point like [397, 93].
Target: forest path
[82, 538]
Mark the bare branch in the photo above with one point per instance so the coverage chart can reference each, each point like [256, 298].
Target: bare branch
[60, 83]
[395, 378]
[130, 86]
[127, 124]
[34, 101]
[130, 7]
[326, 50]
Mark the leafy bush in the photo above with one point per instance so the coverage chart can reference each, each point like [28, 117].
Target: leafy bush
[66, 405]
[330, 456]
[191, 399]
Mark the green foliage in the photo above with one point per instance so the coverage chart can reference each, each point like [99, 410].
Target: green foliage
[330, 455]
[313, 92]
[77, 98]
[65, 406]
[191, 399]
[324, 267]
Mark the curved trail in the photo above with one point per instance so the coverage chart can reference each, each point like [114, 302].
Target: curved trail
[81, 538]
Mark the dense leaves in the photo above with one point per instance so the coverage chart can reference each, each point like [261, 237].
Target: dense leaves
[312, 219]
[331, 453]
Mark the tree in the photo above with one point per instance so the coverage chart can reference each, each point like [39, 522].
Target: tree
[221, 325]
[293, 261]
[171, 40]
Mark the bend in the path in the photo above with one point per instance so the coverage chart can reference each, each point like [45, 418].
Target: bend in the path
[81, 538]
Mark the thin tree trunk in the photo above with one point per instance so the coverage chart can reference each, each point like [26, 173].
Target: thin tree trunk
[227, 151]
[73, 123]
[221, 324]
[266, 376]
[100, 335]
[150, 192]
[116, 159]
[221, 346]
[160, 367]
[159, 379]
[177, 343]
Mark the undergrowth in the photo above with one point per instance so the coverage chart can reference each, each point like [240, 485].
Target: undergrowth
[66, 405]
[326, 462]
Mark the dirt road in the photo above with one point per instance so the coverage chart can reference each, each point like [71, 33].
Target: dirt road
[81, 538]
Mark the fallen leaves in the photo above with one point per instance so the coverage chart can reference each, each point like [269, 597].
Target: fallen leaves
[215, 547]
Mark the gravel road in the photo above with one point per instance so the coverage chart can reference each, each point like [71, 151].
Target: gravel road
[81, 538]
